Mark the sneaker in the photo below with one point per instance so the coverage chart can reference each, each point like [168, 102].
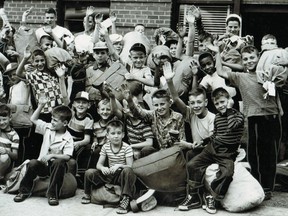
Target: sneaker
[86, 199]
[53, 201]
[268, 195]
[124, 206]
[209, 203]
[149, 204]
[190, 202]
[20, 197]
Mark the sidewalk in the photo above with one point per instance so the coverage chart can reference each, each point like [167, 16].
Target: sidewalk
[38, 206]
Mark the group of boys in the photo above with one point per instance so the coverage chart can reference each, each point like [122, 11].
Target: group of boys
[215, 137]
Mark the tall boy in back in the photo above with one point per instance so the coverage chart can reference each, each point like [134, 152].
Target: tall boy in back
[264, 126]
[201, 120]
[162, 119]
[119, 171]
[56, 150]
[9, 142]
[222, 149]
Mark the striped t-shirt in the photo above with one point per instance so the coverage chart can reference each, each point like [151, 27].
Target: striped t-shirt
[139, 132]
[116, 157]
[9, 140]
[78, 127]
[228, 128]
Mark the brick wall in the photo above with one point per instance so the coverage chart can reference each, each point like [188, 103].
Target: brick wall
[15, 8]
[152, 13]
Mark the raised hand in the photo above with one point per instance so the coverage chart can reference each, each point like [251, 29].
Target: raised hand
[42, 98]
[167, 71]
[195, 11]
[27, 12]
[113, 17]
[60, 71]
[90, 10]
[108, 88]
[190, 17]
[98, 18]
[126, 92]
[194, 68]
[27, 52]
[213, 48]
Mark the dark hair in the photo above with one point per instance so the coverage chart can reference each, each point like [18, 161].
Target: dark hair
[233, 19]
[269, 36]
[63, 112]
[161, 93]
[114, 123]
[249, 49]
[198, 91]
[50, 10]
[5, 111]
[220, 92]
[205, 55]
[205, 36]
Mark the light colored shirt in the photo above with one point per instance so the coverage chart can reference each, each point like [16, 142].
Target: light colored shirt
[52, 144]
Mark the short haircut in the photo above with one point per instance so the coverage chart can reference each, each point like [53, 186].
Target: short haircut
[115, 123]
[103, 101]
[198, 91]
[233, 19]
[161, 93]
[135, 87]
[50, 10]
[269, 36]
[63, 112]
[205, 36]
[205, 55]
[5, 111]
[249, 49]
[220, 92]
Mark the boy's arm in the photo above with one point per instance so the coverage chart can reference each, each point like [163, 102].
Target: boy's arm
[61, 75]
[235, 119]
[147, 143]
[85, 141]
[116, 107]
[49, 31]
[20, 68]
[191, 34]
[98, 20]
[112, 51]
[219, 67]
[169, 74]
[100, 165]
[147, 80]
[41, 103]
[181, 29]
[113, 19]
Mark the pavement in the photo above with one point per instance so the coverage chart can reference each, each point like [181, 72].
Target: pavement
[38, 206]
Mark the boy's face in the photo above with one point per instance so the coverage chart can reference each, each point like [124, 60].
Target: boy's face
[221, 104]
[118, 46]
[57, 123]
[250, 60]
[39, 62]
[101, 56]
[138, 58]
[173, 48]
[202, 46]
[13, 77]
[140, 29]
[50, 19]
[207, 65]
[81, 106]
[46, 43]
[198, 104]
[115, 135]
[4, 122]
[104, 110]
[6, 34]
[161, 106]
[233, 28]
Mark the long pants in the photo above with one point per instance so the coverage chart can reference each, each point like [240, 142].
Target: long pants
[196, 169]
[263, 142]
[55, 169]
[123, 177]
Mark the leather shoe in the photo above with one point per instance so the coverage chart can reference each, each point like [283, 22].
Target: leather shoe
[53, 201]
[20, 197]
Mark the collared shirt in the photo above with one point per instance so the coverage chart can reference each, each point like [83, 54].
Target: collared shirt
[47, 84]
[51, 144]
[159, 127]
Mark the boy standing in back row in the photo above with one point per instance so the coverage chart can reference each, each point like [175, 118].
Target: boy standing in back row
[264, 127]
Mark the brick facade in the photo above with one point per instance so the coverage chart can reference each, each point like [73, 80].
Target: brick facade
[15, 8]
[152, 13]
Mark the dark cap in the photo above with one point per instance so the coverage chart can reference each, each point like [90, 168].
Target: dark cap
[82, 95]
[138, 47]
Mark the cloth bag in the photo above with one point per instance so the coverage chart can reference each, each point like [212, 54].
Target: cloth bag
[164, 170]
[21, 115]
[107, 194]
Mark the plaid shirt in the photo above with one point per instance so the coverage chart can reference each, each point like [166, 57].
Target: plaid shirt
[45, 83]
[161, 129]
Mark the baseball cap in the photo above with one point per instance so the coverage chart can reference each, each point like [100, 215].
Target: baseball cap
[138, 47]
[115, 38]
[100, 45]
[82, 95]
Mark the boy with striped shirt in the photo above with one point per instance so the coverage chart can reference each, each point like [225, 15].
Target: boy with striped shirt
[222, 149]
